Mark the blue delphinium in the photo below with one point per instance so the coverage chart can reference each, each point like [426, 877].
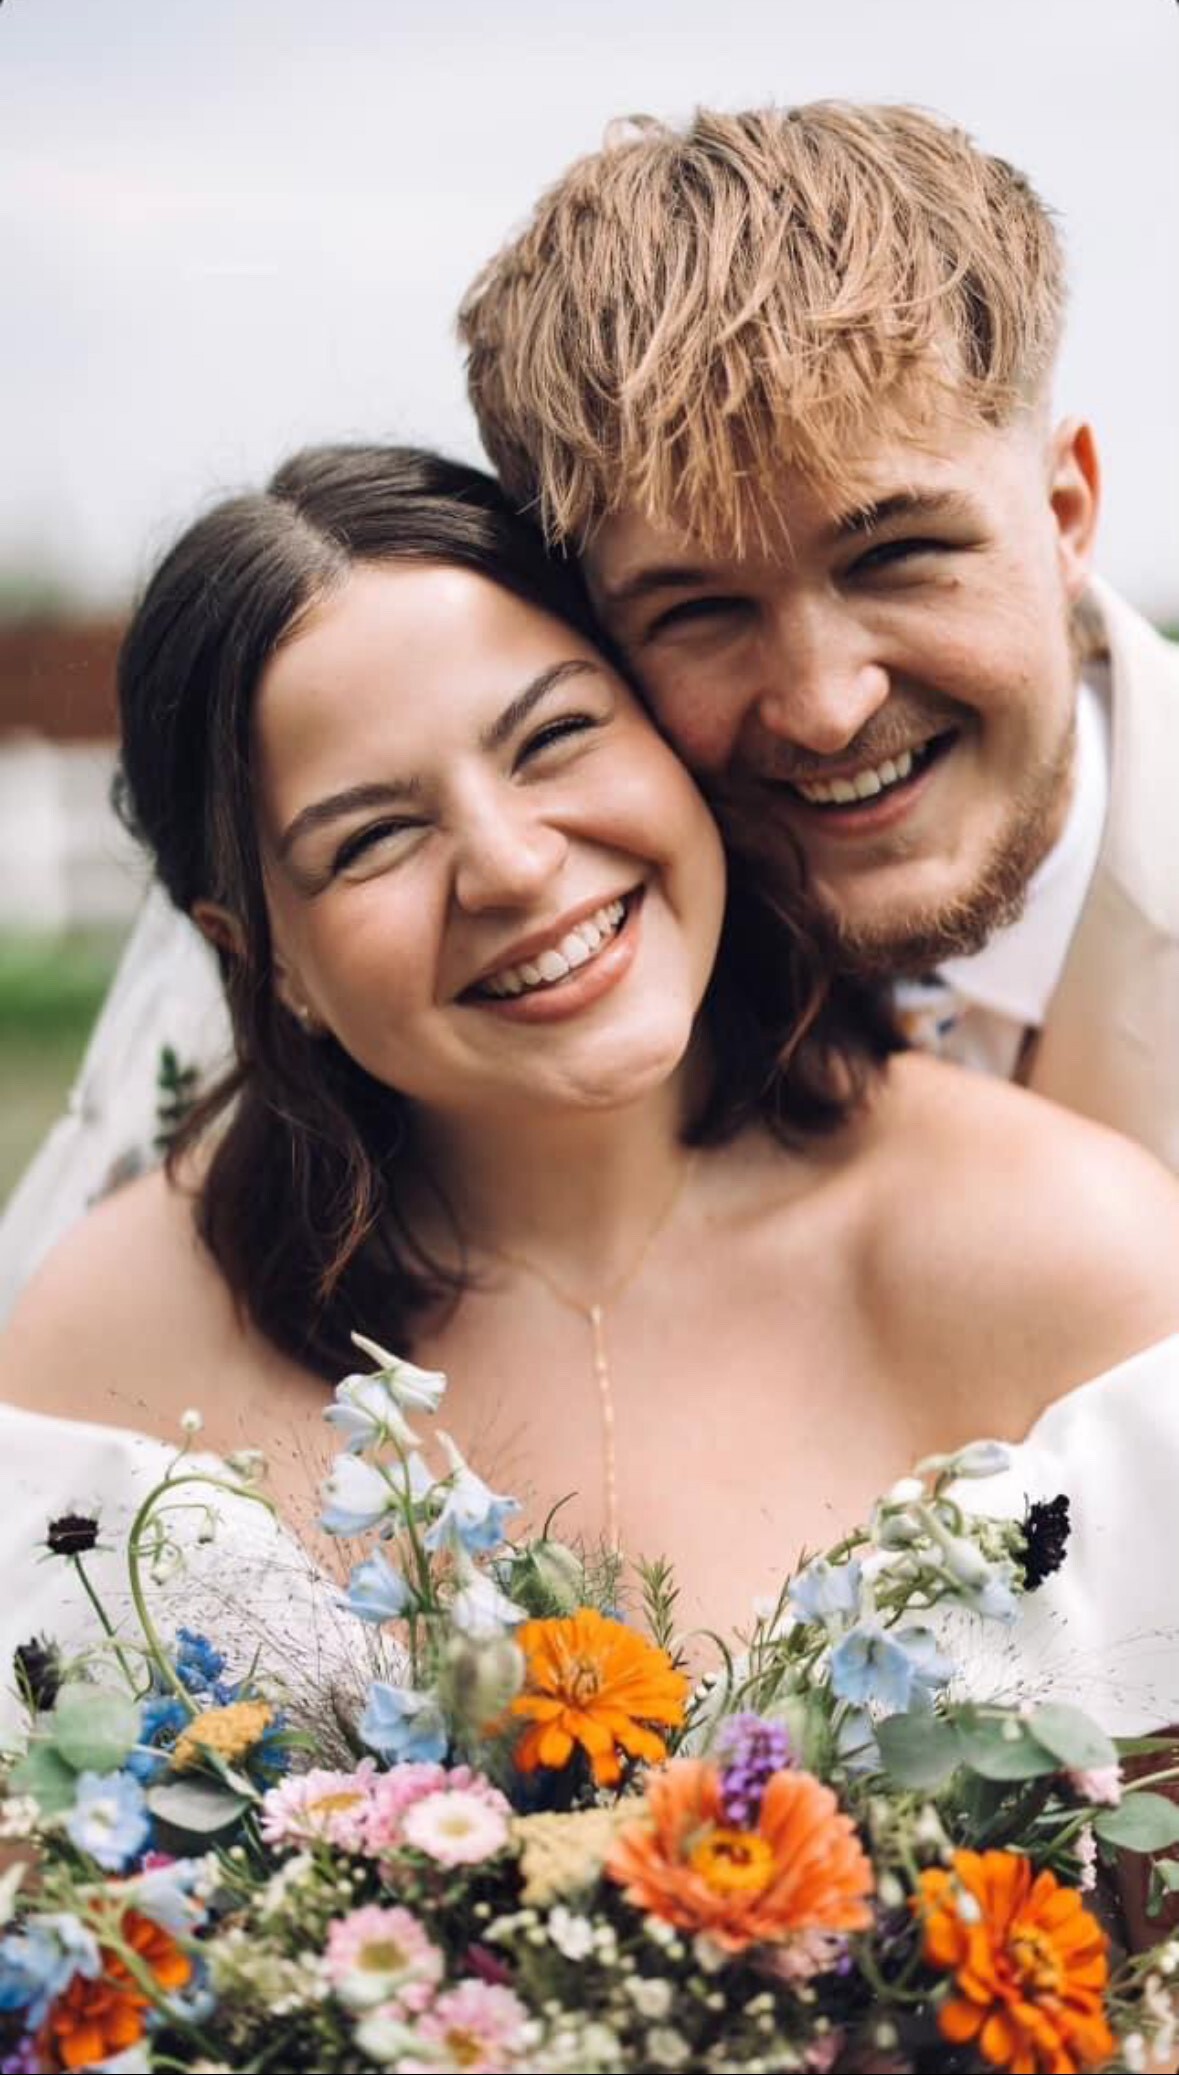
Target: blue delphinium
[198, 1664]
[109, 1818]
[403, 1726]
[161, 1719]
[473, 1518]
[376, 1592]
[826, 1591]
[37, 1962]
[887, 1668]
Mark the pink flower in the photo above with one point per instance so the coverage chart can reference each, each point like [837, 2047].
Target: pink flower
[377, 1955]
[1100, 1784]
[395, 1793]
[320, 1807]
[457, 1827]
[479, 2028]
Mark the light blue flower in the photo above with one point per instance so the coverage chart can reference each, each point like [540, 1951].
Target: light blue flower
[403, 1726]
[376, 1592]
[165, 1894]
[412, 1389]
[359, 1497]
[37, 1962]
[472, 1516]
[366, 1416]
[109, 1818]
[480, 1611]
[981, 1459]
[887, 1668]
[995, 1600]
[825, 1591]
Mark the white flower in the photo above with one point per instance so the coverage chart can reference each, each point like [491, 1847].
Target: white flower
[480, 1610]
[666, 2048]
[413, 1389]
[1099, 1784]
[367, 1415]
[191, 1421]
[456, 1827]
[572, 1935]
[650, 1994]
[358, 1496]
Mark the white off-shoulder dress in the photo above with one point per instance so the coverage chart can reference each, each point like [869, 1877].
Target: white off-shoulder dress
[1103, 1633]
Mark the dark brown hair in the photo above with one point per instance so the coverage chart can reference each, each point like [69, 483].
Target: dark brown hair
[301, 1206]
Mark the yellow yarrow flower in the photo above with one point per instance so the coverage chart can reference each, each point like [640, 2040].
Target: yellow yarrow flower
[561, 1853]
[229, 1733]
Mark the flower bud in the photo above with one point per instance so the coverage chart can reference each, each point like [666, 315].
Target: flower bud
[479, 1679]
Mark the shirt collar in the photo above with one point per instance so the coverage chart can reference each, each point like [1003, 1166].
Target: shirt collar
[1016, 972]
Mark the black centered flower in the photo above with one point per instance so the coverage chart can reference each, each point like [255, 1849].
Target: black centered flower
[73, 1535]
[1045, 1538]
[36, 1668]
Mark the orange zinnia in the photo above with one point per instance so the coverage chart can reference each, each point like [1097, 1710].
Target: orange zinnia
[802, 1869]
[92, 2020]
[1029, 1964]
[594, 1682]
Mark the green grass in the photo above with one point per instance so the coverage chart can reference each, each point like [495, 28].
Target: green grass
[50, 993]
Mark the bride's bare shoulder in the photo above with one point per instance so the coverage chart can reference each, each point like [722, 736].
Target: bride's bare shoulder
[1015, 1232]
[125, 1318]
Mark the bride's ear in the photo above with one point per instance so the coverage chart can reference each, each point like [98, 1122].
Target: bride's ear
[219, 928]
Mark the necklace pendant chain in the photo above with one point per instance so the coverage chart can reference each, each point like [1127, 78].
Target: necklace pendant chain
[595, 1317]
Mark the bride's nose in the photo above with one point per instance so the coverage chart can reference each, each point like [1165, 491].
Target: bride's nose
[507, 853]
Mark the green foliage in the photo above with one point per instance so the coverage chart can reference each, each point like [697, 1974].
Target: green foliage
[1144, 1822]
[93, 1728]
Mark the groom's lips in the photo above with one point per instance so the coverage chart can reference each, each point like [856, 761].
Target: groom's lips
[855, 820]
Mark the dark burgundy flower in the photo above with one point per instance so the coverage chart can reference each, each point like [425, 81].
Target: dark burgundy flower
[73, 1534]
[36, 1668]
[1045, 1538]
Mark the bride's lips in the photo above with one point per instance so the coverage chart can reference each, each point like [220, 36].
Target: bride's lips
[579, 989]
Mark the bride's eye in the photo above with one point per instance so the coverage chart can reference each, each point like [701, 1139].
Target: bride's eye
[562, 729]
[368, 842]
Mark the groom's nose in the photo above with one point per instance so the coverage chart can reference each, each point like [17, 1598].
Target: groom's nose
[820, 680]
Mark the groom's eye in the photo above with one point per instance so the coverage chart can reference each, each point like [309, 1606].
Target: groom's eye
[695, 611]
[890, 554]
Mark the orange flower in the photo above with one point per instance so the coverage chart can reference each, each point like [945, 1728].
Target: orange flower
[1029, 1964]
[92, 2020]
[802, 1870]
[594, 1682]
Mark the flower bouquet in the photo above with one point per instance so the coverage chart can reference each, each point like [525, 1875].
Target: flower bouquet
[546, 1849]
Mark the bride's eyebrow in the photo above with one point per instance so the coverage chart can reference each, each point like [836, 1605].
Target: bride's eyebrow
[517, 710]
[356, 798]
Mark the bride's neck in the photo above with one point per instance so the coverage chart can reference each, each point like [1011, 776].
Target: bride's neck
[577, 1192]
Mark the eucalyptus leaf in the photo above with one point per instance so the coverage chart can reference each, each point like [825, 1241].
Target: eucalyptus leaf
[918, 1750]
[42, 1773]
[1003, 1748]
[1144, 1822]
[93, 1728]
[1073, 1737]
[199, 1806]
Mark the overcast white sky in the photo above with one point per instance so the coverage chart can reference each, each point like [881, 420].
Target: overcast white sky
[232, 226]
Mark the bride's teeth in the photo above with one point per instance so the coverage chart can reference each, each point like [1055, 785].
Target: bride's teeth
[576, 948]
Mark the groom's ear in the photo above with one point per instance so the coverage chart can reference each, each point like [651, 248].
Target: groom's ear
[219, 928]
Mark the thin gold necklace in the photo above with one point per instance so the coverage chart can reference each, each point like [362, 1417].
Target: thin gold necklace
[595, 1317]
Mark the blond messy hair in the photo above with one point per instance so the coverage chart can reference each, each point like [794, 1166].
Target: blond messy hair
[690, 312]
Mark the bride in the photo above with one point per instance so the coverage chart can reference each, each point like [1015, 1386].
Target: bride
[524, 1090]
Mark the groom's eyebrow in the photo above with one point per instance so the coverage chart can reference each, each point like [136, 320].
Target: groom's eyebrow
[393, 792]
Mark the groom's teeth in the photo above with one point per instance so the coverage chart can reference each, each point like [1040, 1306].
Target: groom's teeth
[575, 948]
[875, 778]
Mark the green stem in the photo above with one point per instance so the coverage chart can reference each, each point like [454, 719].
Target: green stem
[156, 1650]
[108, 1626]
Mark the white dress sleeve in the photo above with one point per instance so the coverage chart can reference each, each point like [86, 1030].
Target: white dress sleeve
[1103, 1632]
[166, 992]
[235, 1574]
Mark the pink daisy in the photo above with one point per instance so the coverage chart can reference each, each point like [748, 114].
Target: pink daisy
[396, 1791]
[320, 1807]
[457, 1827]
[377, 1955]
[479, 2028]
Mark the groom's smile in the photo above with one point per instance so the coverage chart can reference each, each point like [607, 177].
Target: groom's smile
[893, 686]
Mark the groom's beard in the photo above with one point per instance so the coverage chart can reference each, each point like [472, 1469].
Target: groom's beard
[913, 940]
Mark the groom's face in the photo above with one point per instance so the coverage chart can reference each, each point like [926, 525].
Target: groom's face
[895, 688]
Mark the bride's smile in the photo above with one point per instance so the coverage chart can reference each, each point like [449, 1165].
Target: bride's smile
[487, 876]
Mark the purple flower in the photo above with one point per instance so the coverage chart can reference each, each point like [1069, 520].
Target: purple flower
[749, 1751]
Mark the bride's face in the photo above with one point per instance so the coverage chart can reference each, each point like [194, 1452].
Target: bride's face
[487, 875]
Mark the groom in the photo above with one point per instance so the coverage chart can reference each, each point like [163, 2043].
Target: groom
[783, 380]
